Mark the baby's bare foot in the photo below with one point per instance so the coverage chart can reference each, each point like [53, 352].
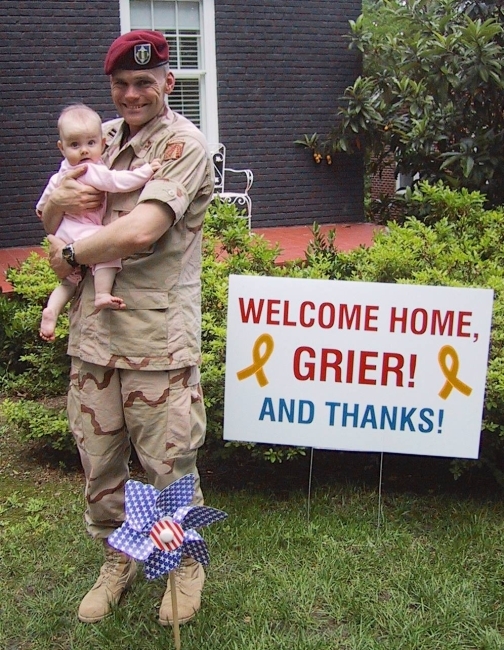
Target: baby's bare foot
[107, 301]
[48, 325]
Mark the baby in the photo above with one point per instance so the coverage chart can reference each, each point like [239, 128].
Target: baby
[81, 143]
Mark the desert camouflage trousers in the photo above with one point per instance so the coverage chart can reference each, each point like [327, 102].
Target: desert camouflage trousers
[160, 412]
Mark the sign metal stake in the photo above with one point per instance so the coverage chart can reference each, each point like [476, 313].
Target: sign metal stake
[310, 482]
[380, 510]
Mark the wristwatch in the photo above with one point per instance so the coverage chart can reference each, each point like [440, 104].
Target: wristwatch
[68, 254]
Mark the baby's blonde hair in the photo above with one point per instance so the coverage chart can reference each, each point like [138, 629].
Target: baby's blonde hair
[77, 111]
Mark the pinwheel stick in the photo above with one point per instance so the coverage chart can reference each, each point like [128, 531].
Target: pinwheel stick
[176, 628]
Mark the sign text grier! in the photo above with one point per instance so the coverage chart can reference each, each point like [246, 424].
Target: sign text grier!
[365, 367]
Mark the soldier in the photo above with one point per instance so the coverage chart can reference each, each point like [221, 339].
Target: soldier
[135, 372]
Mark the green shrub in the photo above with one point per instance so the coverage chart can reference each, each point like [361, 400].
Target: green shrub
[11, 337]
[36, 422]
[29, 366]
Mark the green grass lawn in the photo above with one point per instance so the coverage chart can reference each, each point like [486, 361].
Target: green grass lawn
[430, 578]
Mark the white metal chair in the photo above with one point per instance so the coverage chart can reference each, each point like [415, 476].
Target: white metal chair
[242, 199]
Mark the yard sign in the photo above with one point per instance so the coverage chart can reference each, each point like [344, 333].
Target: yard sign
[356, 366]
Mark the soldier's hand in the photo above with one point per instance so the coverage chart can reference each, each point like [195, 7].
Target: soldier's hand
[58, 264]
[75, 197]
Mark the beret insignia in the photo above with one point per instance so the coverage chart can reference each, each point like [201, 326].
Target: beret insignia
[142, 53]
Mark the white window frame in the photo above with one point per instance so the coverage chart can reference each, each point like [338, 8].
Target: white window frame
[405, 180]
[208, 75]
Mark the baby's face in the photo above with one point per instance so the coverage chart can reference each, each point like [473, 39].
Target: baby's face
[81, 141]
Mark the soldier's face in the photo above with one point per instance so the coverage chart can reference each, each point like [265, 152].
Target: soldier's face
[138, 95]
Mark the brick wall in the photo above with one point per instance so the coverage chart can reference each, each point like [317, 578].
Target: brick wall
[282, 66]
[384, 182]
[51, 54]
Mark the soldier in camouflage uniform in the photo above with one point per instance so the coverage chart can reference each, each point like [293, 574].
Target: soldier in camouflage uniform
[135, 372]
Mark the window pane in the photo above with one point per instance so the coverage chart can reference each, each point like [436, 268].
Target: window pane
[140, 15]
[188, 15]
[185, 99]
[164, 15]
[189, 51]
[171, 37]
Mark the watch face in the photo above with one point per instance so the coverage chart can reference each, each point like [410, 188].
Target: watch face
[68, 255]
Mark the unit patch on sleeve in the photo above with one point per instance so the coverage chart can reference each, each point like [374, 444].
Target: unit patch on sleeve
[173, 151]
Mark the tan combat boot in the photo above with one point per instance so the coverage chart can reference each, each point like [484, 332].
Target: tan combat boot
[189, 580]
[116, 575]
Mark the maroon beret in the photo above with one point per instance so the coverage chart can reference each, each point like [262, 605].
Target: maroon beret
[140, 49]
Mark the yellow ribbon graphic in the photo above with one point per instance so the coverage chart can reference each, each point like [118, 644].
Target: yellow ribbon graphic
[450, 374]
[256, 368]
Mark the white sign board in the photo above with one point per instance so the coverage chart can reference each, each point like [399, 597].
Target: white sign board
[356, 366]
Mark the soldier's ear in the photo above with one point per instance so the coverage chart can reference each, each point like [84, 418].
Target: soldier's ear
[169, 82]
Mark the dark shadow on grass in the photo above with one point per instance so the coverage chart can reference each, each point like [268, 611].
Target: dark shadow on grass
[418, 475]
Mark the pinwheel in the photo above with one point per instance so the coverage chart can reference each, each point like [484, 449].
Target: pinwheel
[159, 526]
[159, 530]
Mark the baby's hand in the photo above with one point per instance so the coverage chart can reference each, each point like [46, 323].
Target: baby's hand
[155, 164]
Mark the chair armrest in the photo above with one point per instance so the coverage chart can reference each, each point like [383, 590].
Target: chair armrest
[248, 175]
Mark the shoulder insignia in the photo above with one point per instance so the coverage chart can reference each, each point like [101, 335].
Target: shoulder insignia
[173, 151]
[110, 135]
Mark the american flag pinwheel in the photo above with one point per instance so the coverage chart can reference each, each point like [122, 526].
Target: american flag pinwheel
[159, 526]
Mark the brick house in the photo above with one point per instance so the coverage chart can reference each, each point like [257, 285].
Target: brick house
[255, 75]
